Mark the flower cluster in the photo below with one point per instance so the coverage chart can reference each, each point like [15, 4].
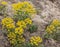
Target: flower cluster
[35, 40]
[24, 23]
[50, 29]
[15, 30]
[56, 22]
[21, 25]
[20, 22]
[28, 21]
[25, 7]
[8, 23]
[53, 26]
[19, 30]
[15, 39]
[11, 35]
[4, 3]
[20, 39]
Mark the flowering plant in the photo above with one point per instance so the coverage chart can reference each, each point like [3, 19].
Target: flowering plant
[53, 29]
[35, 40]
[23, 10]
[17, 25]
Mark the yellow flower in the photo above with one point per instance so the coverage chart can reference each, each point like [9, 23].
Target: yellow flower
[10, 26]
[24, 6]
[11, 35]
[28, 21]
[50, 29]
[21, 39]
[21, 24]
[19, 30]
[56, 22]
[35, 40]
[53, 26]
[4, 3]
[14, 6]
[8, 22]
[13, 41]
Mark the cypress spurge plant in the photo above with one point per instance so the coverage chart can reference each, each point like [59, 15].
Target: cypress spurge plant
[53, 30]
[23, 10]
[16, 25]
[35, 41]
